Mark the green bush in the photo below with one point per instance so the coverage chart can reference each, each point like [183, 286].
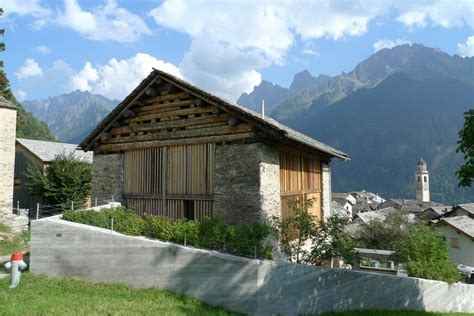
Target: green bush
[214, 234]
[183, 228]
[160, 227]
[211, 233]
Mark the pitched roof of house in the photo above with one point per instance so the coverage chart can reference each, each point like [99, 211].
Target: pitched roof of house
[47, 151]
[251, 116]
[469, 207]
[4, 103]
[412, 206]
[339, 211]
[381, 215]
[440, 210]
[464, 224]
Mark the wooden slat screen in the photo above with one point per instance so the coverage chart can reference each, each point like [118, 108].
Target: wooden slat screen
[300, 178]
[159, 180]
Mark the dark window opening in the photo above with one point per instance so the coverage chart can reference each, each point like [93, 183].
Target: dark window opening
[419, 179]
[426, 179]
[189, 210]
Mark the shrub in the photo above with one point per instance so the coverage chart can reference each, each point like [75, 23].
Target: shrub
[160, 227]
[248, 240]
[183, 228]
[426, 255]
[128, 222]
[214, 234]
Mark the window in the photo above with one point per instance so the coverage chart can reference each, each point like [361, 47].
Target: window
[426, 179]
[454, 242]
[17, 182]
[418, 179]
[189, 209]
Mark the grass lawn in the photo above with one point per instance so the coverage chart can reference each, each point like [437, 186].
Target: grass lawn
[39, 295]
[393, 313]
[19, 242]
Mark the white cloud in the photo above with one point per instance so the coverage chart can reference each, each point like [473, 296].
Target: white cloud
[30, 68]
[467, 49]
[228, 73]
[21, 95]
[45, 50]
[118, 78]
[41, 15]
[106, 22]
[309, 51]
[445, 13]
[385, 43]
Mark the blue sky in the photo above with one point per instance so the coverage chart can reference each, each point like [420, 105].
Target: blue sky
[224, 46]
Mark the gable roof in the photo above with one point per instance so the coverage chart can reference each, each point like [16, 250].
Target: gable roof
[464, 224]
[381, 215]
[4, 103]
[468, 207]
[251, 116]
[47, 151]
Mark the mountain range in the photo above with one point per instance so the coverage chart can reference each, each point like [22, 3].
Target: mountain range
[395, 107]
[72, 116]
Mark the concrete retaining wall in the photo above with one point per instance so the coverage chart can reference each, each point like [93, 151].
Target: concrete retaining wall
[61, 248]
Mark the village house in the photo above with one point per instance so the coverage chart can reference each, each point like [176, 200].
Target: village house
[40, 154]
[172, 149]
[459, 234]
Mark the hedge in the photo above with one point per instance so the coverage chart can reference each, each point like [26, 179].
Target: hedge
[212, 233]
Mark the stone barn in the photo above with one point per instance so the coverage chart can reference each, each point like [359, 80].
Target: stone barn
[172, 149]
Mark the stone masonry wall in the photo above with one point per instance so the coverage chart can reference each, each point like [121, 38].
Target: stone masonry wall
[7, 156]
[107, 177]
[326, 194]
[247, 185]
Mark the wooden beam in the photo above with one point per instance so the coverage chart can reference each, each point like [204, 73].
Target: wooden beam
[166, 88]
[151, 92]
[178, 142]
[171, 113]
[216, 110]
[199, 102]
[164, 106]
[170, 196]
[169, 124]
[105, 136]
[128, 114]
[181, 95]
[233, 120]
[206, 131]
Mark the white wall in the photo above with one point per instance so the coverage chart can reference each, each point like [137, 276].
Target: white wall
[465, 253]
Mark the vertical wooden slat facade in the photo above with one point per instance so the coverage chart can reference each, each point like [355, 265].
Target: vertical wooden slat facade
[159, 180]
[300, 178]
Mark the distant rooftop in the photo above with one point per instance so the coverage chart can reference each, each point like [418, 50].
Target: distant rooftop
[47, 151]
[469, 207]
[464, 224]
[4, 103]
[381, 215]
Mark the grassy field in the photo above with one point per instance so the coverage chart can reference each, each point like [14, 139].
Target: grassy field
[19, 242]
[39, 295]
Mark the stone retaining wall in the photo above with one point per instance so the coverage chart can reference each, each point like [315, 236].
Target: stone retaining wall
[107, 177]
[60, 248]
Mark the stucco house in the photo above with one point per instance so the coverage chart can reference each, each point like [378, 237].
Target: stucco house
[172, 149]
[40, 154]
[459, 234]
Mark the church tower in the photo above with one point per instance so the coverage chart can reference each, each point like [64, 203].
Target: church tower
[7, 153]
[422, 182]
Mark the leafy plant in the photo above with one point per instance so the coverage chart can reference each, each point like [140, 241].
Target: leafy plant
[214, 234]
[426, 255]
[160, 227]
[67, 179]
[466, 146]
[188, 229]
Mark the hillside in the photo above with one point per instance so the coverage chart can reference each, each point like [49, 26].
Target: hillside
[393, 108]
[71, 116]
[386, 129]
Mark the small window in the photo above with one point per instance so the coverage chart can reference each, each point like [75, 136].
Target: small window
[418, 179]
[189, 210]
[426, 179]
[454, 242]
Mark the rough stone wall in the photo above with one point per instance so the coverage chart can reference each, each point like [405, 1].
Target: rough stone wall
[107, 178]
[247, 184]
[326, 194]
[7, 156]
[255, 287]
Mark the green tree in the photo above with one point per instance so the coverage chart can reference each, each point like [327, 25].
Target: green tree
[383, 234]
[67, 179]
[306, 239]
[426, 255]
[466, 146]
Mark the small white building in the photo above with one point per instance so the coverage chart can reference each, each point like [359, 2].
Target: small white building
[459, 234]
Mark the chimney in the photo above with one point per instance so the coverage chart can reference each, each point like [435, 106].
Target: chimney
[262, 107]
